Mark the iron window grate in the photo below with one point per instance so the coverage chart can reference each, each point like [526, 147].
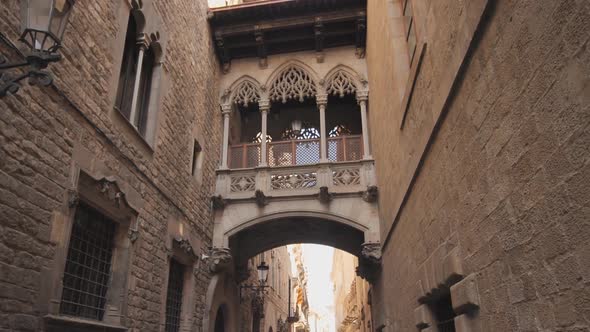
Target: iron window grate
[88, 265]
[174, 296]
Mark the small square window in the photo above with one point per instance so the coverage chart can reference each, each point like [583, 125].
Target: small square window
[197, 161]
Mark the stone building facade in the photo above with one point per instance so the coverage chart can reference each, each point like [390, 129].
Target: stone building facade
[268, 310]
[352, 305]
[480, 131]
[69, 156]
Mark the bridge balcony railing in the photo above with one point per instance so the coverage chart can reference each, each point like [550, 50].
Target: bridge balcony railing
[294, 168]
[296, 152]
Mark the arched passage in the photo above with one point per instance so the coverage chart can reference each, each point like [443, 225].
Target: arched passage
[276, 232]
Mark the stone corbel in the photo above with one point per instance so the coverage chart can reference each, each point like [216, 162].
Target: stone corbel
[324, 195]
[361, 32]
[319, 39]
[371, 194]
[218, 202]
[369, 261]
[73, 198]
[220, 260]
[133, 235]
[261, 48]
[260, 198]
[185, 246]
[109, 189]
[224, 53]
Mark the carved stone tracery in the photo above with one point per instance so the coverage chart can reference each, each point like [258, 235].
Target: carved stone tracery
[293, 83]
[246, 93]
[341, 84]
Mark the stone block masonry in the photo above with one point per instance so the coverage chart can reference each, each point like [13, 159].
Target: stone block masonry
[504, 177]
[45, 132]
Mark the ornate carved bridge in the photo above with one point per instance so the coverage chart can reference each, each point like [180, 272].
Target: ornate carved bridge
[294, 170]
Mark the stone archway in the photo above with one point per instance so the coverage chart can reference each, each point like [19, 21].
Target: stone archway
[287, 229]
[251, 236]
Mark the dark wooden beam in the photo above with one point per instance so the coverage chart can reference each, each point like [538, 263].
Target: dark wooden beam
[319, 39]
[261, 48]
[361, 33]
[292, 22]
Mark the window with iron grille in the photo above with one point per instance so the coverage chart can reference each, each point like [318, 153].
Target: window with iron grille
[410, 29]
[88, 264]
[442, 310]
[174, 296]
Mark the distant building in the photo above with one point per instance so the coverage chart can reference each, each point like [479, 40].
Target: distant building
[351, 295]
[266, 311]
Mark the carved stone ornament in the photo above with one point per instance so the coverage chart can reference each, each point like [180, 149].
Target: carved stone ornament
[369, 261]
[220, 260]
[133, 235]
[261, 199]
[110, 190]
[324, 196]
[293, 83]
[258, 304]
[371, 194]
[282, 326]
[218, 202]
[184, 245]
[341, 84]
[246, 93]
[73, 198]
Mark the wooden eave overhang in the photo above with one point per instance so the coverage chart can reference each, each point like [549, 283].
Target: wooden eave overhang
[263, 28]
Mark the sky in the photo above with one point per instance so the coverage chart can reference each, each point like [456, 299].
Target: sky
[216, 3]
[317, 260]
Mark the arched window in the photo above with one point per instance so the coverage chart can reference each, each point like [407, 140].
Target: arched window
[128, 69]
[134, 104]
[219, 321]
[145, 87]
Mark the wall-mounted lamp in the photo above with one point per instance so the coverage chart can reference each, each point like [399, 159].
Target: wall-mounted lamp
[262, 270]
[43, 25]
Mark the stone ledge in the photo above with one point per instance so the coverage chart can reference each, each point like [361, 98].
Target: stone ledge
[423, 317]
[62, 321]
[464, 323]
[453, 267]
[465, 295]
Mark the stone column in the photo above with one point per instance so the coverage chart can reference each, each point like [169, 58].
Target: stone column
[143, 45]
[322, 101]
[264, 106]
[362, 100]
[226, 111]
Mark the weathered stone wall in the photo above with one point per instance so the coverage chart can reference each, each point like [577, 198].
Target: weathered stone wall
[499, 170]
[41, 127]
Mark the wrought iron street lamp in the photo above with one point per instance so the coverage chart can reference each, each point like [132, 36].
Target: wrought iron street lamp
[262, 270]
[262, 273]
[43, 25]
